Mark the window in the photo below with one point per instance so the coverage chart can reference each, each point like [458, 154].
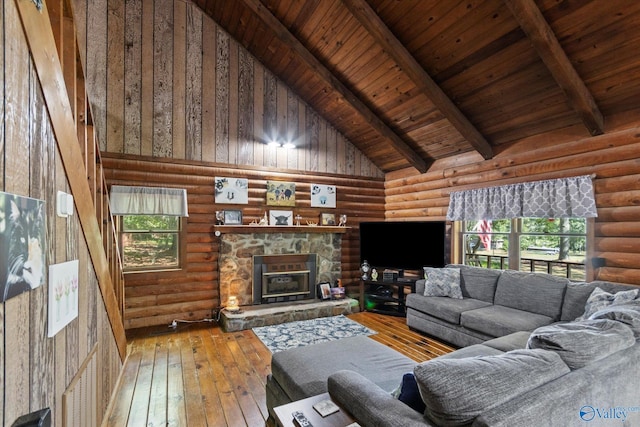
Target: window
[151, 242]
[554, 246]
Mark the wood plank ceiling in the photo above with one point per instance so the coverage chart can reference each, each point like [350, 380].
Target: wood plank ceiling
[413, 81]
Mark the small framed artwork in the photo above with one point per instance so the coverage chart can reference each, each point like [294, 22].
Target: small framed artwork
[280, 217]
[232, 217]
[323, 196]
[232, 190]
[281, 193]
[327, 219]
[325, 290]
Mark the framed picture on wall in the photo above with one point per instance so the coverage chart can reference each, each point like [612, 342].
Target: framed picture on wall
[232, 217]
[232, 190]
[323, 196]
[277, 217]
[281, 193]
[327, 219]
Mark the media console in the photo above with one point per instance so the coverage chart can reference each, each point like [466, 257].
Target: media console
[386, 297]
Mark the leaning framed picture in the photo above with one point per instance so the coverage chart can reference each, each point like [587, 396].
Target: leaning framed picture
[232, 217]
[324, 290]
[327, 219]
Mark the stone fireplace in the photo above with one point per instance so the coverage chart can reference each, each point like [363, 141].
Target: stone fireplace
[283, 278]
[239, 246]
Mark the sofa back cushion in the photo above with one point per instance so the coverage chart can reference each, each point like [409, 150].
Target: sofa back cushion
[533, 292]
[477, 283]
[581, 343]
[577, 294]
[455, 391]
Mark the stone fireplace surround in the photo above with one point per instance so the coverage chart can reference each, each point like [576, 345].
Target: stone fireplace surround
[238, 248]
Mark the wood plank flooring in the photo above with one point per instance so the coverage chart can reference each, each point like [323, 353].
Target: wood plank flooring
[200, 376]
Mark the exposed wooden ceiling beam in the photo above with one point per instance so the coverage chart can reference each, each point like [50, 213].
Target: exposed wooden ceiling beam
[308, 58]
[555, 58]
[394, 48]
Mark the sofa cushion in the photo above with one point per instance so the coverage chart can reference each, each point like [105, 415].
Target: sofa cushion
[303, 371]
[408, 393]
[444, 308]
[583, 342]
[442, 282]
[627, 313]
[534, 292]
[497, 320]
[477, 282]
[456, 391]
[600, 299]
[577, 294]
[514, 341]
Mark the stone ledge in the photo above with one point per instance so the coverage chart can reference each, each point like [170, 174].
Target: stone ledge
[272, 314]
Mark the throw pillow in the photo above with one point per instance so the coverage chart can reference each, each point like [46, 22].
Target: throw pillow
[627, 313]
[600, 299]
[583, 342]
[408, 393]
[456, 391]
[442, 282]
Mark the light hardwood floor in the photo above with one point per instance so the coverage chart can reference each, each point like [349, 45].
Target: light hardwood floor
[199, 376]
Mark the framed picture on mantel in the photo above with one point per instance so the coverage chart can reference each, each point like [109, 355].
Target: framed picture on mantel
[232, 217]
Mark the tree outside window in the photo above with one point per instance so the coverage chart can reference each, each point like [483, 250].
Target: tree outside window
[554, 246]
[151, 242]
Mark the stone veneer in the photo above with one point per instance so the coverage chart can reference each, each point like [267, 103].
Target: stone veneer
[277, 313]
[237, 251]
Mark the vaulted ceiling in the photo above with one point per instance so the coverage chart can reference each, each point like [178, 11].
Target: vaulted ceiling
[412, 81]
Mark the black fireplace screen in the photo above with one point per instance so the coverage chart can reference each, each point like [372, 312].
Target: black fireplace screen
[279, 278]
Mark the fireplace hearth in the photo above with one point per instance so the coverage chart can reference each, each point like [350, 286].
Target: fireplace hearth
[283, 278]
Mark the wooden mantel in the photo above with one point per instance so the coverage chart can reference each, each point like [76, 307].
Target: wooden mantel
[246, 229]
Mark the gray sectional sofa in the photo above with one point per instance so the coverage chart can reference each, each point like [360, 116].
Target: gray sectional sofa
[553, 371]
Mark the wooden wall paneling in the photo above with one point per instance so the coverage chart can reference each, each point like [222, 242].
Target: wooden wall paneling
[222, 96]
[181, 73]
[234, 89]
[17, 152]
[281, 124]
[96, 48]
[133, 76]
[270, 124]
[292, 129]
[258, 114]
[163, 79]
[246, 112]
[209, 49]
[194, 84]
[146, 78]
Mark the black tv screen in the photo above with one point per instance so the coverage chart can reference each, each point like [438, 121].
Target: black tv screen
[408, 245]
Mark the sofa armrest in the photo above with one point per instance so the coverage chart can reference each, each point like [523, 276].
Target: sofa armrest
[420, 286]
[369, 404]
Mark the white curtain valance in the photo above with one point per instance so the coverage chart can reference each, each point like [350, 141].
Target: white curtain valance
[556, 198]
[126, 200]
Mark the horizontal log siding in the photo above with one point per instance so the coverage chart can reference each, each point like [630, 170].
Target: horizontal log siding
[158, 298]
[613, 157]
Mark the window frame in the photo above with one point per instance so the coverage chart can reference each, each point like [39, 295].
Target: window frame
[181, 251]
[514, 256]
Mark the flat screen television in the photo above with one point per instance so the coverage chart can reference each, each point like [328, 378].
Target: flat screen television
[407, 245]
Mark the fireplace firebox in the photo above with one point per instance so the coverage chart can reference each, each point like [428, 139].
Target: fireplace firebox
[282, 278]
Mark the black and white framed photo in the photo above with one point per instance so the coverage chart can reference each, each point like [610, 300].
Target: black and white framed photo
[324, 290]
[278, 217]
[232, 217]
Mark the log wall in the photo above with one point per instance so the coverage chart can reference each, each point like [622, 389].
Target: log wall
[612, 157]
[36, 370]
[194, 293]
